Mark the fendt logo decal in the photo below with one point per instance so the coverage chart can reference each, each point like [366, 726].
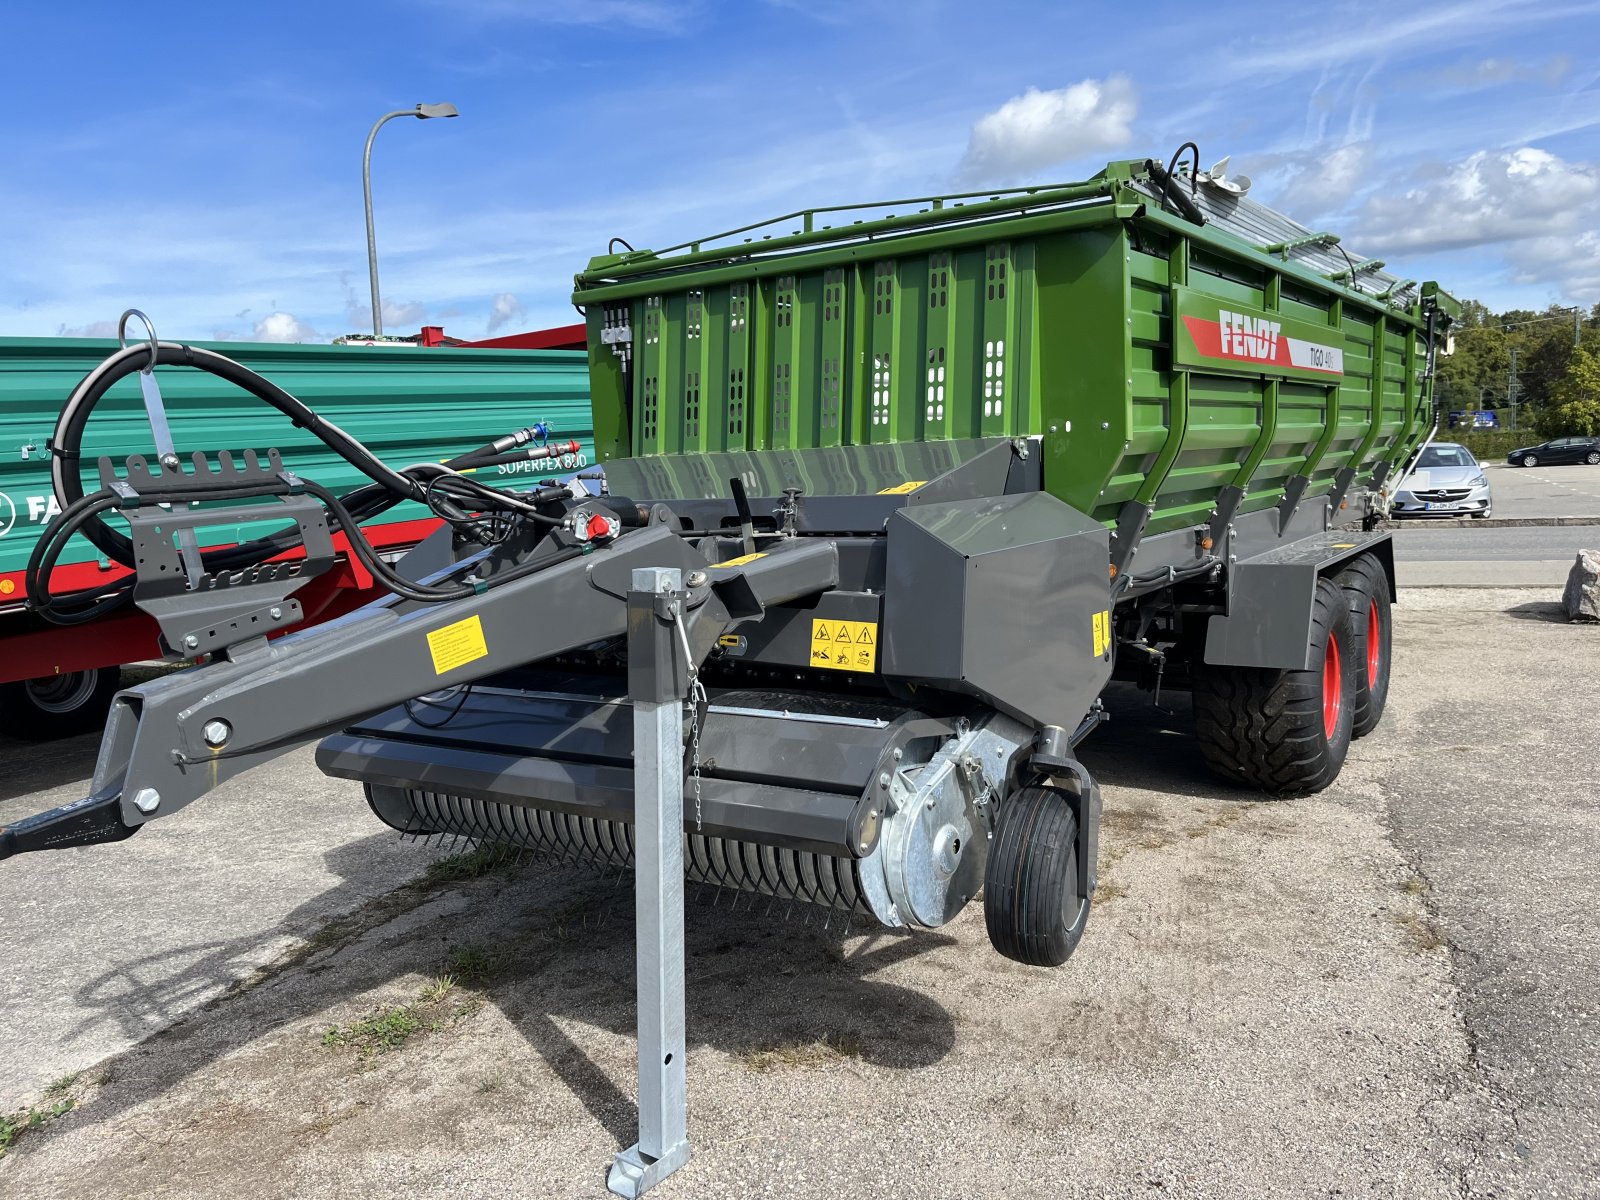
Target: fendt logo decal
[1239, 337]
[1218, 333]
[40, 510]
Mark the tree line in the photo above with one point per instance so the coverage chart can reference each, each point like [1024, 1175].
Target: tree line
[1538, 369]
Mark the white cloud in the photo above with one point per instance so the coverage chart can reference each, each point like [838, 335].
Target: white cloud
[398, 316]
[1323, 180]
[284, 327]
[1573, 263]
[1393, 31]
[1491, 196]
[506, 308]
[1042, 129]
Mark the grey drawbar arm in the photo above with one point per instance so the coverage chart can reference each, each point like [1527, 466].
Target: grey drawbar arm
[173, 739]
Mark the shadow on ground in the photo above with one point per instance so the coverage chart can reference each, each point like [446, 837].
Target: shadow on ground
[1539, 610]
[39, 766]
[1145, 746]
[558, 942]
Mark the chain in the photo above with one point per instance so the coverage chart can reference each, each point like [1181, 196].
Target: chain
[697, 697]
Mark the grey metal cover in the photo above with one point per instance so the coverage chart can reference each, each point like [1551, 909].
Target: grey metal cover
[1258, 226]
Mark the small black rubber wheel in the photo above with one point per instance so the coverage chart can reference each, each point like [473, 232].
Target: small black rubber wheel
[1284, 731]
[1366, 584]
[57, 706]
[1031, 895]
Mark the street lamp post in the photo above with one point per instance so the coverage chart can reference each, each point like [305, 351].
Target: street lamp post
[422, 112]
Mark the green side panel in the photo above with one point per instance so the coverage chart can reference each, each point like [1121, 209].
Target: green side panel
[1096, 446]
[407, 405]
[1158, 362]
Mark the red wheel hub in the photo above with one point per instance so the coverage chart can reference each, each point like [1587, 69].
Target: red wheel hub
[1332, 687]
[1374, 644]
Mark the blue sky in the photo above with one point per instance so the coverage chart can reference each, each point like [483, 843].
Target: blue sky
[202, 162]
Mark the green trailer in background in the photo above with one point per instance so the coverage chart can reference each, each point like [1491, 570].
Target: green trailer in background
[407, 402]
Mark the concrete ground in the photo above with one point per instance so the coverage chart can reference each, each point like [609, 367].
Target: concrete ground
[1564, 491]
[1529, 556]
[1383, 990]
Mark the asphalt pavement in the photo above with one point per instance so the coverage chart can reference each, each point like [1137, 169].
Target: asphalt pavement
[1564, 491]
[1387, 989]
[1383, 990]
[1528, 556]
[1434, 553]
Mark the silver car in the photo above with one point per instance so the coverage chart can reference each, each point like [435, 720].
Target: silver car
[1447, 482]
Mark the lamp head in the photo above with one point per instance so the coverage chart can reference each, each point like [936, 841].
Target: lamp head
[424, 111]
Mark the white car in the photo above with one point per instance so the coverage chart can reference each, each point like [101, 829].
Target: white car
[1446, 482]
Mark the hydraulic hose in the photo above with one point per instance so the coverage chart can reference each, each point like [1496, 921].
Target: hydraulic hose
[67, 442]
[441, 487]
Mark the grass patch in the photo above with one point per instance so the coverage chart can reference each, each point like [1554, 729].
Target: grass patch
[1109, 889]
[440, 1004]
[473, 864]
[438, 989]
[472, 963]
[824, 1051]
[1425, 935]
[14, 1125]
[386, 1030]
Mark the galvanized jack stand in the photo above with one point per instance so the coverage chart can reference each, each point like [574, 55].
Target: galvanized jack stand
[656, 684]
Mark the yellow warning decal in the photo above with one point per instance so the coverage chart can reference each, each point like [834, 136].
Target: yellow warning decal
[729, 639]
[1102, 633]
[456, 645]
[844, 645]
[739, 562]
[901, 489]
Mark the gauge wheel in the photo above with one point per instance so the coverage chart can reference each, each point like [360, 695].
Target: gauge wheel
[1529, 460]
[56, 706]
[1033, 905]
[1366, 584]
[1284, 731]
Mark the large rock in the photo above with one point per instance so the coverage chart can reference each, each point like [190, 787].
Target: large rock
[1582, 597]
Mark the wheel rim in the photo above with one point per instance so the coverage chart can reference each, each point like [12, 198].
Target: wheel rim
[1530, 461]
[1594, 460]
[1374, 645]
[1332, 688]
[61, 693]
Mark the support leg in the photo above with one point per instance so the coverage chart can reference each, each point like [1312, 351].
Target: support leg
[654, 684]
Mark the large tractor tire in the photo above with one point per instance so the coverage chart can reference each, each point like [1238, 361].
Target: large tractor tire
[1031, 894]
[58, 705]
[1285, 732]
[1366, 585]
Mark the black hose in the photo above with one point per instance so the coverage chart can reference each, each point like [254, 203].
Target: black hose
[425, 593]
[1170, 190]
[68, 440]
[447, 493]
